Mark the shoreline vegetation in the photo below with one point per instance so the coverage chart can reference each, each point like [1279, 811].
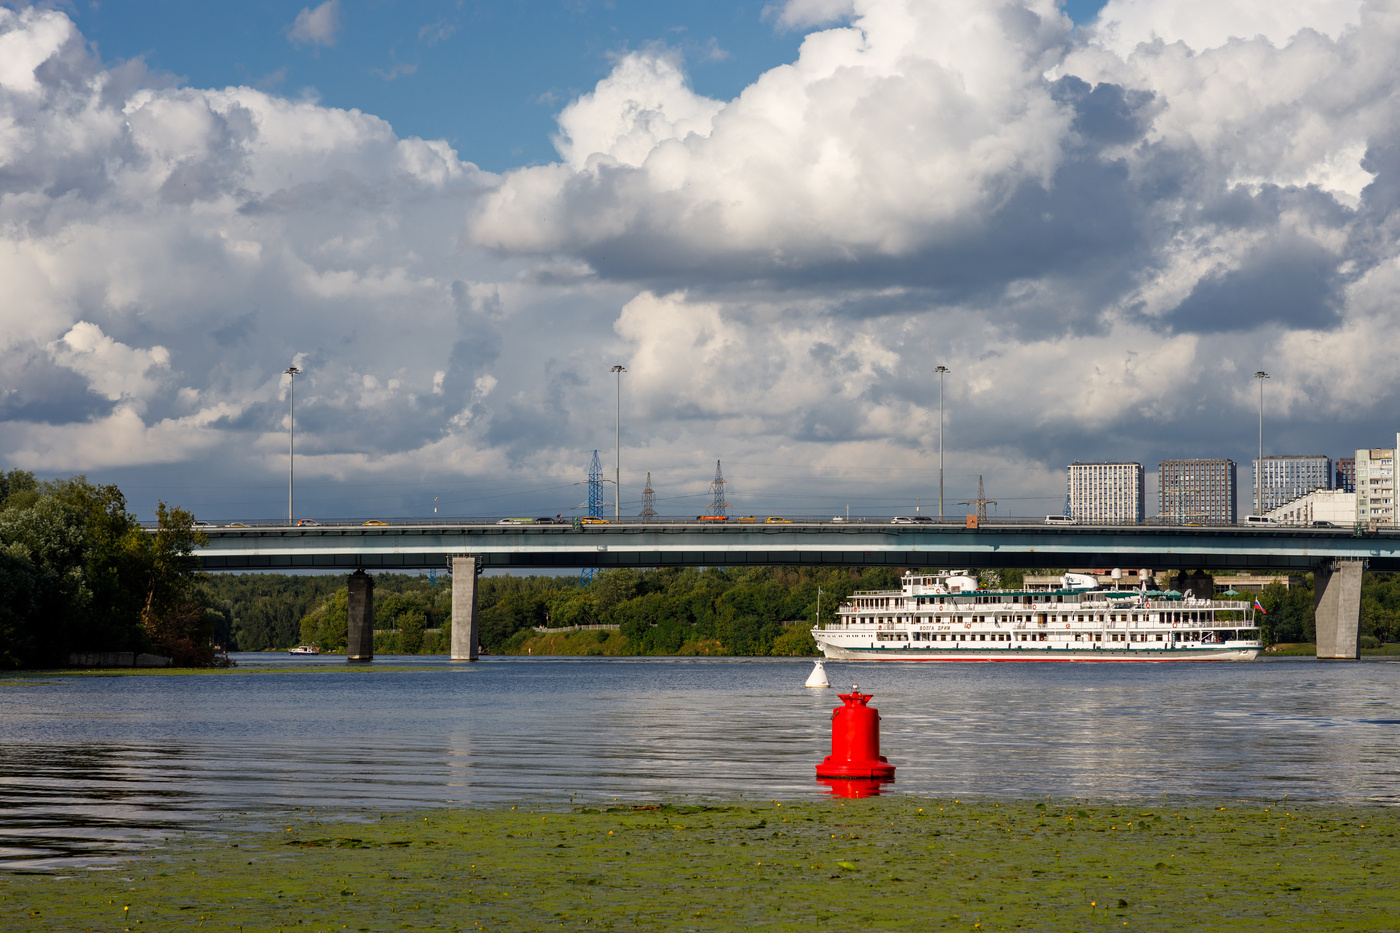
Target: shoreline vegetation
[889, 863]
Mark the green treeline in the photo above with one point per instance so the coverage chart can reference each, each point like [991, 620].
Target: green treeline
[79, 573]
[737, 612]
[674, 610]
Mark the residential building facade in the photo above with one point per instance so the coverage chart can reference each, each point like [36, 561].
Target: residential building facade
[1336, 506]
[1197, 492]
[1287, 478]
[1375, 485]
[1106, 493]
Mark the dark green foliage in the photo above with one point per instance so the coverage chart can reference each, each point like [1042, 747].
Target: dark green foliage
[1288, 613]
[78, 573]
[264, 610]
[1380, 606]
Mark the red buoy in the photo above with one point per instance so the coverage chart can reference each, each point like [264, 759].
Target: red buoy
[855, 741]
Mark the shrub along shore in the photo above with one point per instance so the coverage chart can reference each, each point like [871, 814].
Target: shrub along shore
[888, 863]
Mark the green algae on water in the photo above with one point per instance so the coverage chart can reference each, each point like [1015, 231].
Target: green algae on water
[876, 864]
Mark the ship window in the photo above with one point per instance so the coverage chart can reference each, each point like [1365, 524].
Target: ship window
[1159, 636]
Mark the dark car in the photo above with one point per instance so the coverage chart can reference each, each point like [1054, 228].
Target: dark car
[1321, 524]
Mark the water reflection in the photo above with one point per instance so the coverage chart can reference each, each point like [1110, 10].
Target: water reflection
[93, 765]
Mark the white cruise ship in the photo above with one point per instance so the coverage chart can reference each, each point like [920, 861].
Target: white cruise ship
[946, 617]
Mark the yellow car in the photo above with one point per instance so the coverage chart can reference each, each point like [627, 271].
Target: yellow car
[375, 521]
[594, 521]
[777, 520]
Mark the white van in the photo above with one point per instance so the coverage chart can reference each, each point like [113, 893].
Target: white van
[1058, 520]
[1259, 520]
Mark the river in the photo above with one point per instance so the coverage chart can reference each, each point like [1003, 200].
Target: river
[91, 766]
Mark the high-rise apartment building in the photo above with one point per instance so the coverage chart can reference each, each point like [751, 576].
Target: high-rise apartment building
[1375, 485]
[1106, 493]
[1287, 478]
[1201, 492]
[1346, 474]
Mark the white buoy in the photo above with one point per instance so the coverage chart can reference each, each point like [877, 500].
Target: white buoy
[818, 676]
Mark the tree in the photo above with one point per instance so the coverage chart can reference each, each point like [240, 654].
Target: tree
[44, 547]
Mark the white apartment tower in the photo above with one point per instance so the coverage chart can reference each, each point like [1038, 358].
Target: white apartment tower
[1106, 493]
[1375, 485]
[1288, 478]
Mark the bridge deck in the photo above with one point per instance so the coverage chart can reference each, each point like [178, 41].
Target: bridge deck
[685, 544]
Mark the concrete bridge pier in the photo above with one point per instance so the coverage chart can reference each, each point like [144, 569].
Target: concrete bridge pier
[360, 622]
[464, 632]
[1337, 609]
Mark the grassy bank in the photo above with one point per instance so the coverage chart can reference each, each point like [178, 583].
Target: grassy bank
[1309, 650]
[886, 864]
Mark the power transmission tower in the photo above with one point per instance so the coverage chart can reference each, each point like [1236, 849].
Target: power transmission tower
[648, 501]
[718, 506]
[595, 488]
[981, 501]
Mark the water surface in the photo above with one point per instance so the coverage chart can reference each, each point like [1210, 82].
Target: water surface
[90, 765]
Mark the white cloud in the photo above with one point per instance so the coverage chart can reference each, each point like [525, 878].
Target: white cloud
[1208, 24]
[881, 136]
[316, 26]
[113, 369]
[645, 101]
[1101, 240]
[28, 38]
[800, 14]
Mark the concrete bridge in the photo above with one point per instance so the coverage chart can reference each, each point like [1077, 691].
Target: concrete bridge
[1335, 555]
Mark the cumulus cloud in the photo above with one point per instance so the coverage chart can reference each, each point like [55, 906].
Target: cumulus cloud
[1208, 24]
[800, 14]
[316, 25]
[1101, 231]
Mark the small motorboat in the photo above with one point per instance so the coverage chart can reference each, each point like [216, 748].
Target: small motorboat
[304, 649]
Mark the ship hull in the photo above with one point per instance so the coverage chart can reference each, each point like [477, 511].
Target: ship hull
[1089, 655]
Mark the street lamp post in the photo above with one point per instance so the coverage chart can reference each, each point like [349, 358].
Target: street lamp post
[291, 373]
[942, 371]
[617, 481]
[1259, 471]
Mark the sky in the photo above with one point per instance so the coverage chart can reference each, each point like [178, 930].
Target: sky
[455, 218]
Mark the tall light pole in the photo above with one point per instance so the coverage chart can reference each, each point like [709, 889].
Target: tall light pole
[942, 371]
[1259, 471]
[291, 373]
[617, 477]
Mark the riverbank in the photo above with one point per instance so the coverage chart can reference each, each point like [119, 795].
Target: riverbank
[890, 863]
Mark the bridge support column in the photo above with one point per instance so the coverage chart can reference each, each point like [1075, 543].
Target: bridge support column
[360, 622]
[464, 633]
[1337, 605]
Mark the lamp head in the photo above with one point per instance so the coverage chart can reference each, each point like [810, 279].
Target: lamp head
[618, 369]
[291, 371]
[1261, 375]
[942, 369]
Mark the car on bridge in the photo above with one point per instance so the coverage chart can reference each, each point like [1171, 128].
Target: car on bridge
[374, 521]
